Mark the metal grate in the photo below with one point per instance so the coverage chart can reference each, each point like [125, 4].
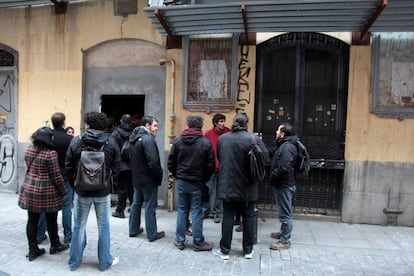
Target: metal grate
[320, 193]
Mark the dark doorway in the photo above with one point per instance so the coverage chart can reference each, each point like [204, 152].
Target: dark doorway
[302, 79]
[117, 105]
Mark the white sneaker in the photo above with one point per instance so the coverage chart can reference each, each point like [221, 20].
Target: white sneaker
[115, 261]
[217, 251]
[249, 255]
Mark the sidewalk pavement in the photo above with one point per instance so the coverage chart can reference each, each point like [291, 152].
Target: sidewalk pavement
[318, 248]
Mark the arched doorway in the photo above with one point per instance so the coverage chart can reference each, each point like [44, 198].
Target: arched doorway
[302, 78]
[8, 119]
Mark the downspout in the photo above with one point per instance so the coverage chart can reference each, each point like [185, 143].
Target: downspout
[171, 136]
[163, 61]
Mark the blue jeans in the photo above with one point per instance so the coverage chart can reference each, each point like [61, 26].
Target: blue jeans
[189, 198]
[283, 197]
[41, 227]
[67, 212]
[212, 185]
[135, 214]
[78, 243]
[148, 196]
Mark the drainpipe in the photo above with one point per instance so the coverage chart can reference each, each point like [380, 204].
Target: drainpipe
[162, 62]
[170, 191]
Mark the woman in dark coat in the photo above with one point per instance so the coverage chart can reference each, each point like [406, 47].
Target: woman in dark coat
[42, 191]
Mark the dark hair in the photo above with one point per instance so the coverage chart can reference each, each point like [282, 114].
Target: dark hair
[287, 129]
[42, 138]
[126, 118]
[240, 120]
[58, 119]
[96, 120]
[194, 122]
[146, 119]
[111, 123]
[217, 118]
[69, 127]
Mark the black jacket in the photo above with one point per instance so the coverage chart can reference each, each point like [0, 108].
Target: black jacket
[144, 159]
[283, 163]
[61, 141]
[192, 158]
[93, 138]
[234, 171]
[121, 135]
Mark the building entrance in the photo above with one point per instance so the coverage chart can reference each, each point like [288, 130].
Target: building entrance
[303, 80]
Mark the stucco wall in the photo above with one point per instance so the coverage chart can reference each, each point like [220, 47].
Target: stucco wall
[50, 54]
[379, 154]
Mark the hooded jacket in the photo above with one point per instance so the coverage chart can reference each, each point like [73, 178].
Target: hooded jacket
[121, 134]
[283, 163]
[144, 159]
[191, 158]
[95, 139]
[234, 173]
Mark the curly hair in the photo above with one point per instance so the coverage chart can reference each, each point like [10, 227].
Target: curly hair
[43, 138]
[96, 120]
[194, 122]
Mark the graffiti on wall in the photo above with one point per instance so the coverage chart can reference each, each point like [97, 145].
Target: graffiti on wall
[8, 145]
[243, 92]
[7, 159]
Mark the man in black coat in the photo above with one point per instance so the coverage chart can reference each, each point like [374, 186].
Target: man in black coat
[62, 141]
[146, 177]
[234, 185]
[283, 181]
[124, 181]
[191, 162]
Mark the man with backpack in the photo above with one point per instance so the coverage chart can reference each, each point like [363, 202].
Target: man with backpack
[283, 181]
[124, 181]
[235, 186]
[90, 158]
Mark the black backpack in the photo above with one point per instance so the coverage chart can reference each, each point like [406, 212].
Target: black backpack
[125, 149]
[257, 162]
[90, 175]
[303, 162]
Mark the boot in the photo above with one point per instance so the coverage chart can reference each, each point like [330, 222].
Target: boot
[58, 247]
[34, 252]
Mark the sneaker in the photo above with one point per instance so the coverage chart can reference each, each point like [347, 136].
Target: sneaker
[280, 245]
[249, 255]
[217, 218]
[139, 232]
[158, 236]
[117, 214]
[275, 235]
[115, 261]
[179, 245]
[240, 228]
[205, 246]
[217, 251]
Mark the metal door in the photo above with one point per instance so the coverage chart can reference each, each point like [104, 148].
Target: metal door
[302, 79]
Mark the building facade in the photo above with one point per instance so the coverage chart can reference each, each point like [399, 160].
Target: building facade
[351, 103]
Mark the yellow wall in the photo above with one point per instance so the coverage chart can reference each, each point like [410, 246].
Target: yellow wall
[50, 47]
[369, 137]
[181, 113]
[49, 50]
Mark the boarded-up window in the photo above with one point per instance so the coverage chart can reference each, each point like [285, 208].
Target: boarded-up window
[209, 74]
[393, 75]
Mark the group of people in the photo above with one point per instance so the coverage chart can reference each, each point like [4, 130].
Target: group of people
[220, 159]
[217, 160]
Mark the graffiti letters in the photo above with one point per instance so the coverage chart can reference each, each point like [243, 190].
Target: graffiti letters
[6, 92]
[243, 93]
[7, 159]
